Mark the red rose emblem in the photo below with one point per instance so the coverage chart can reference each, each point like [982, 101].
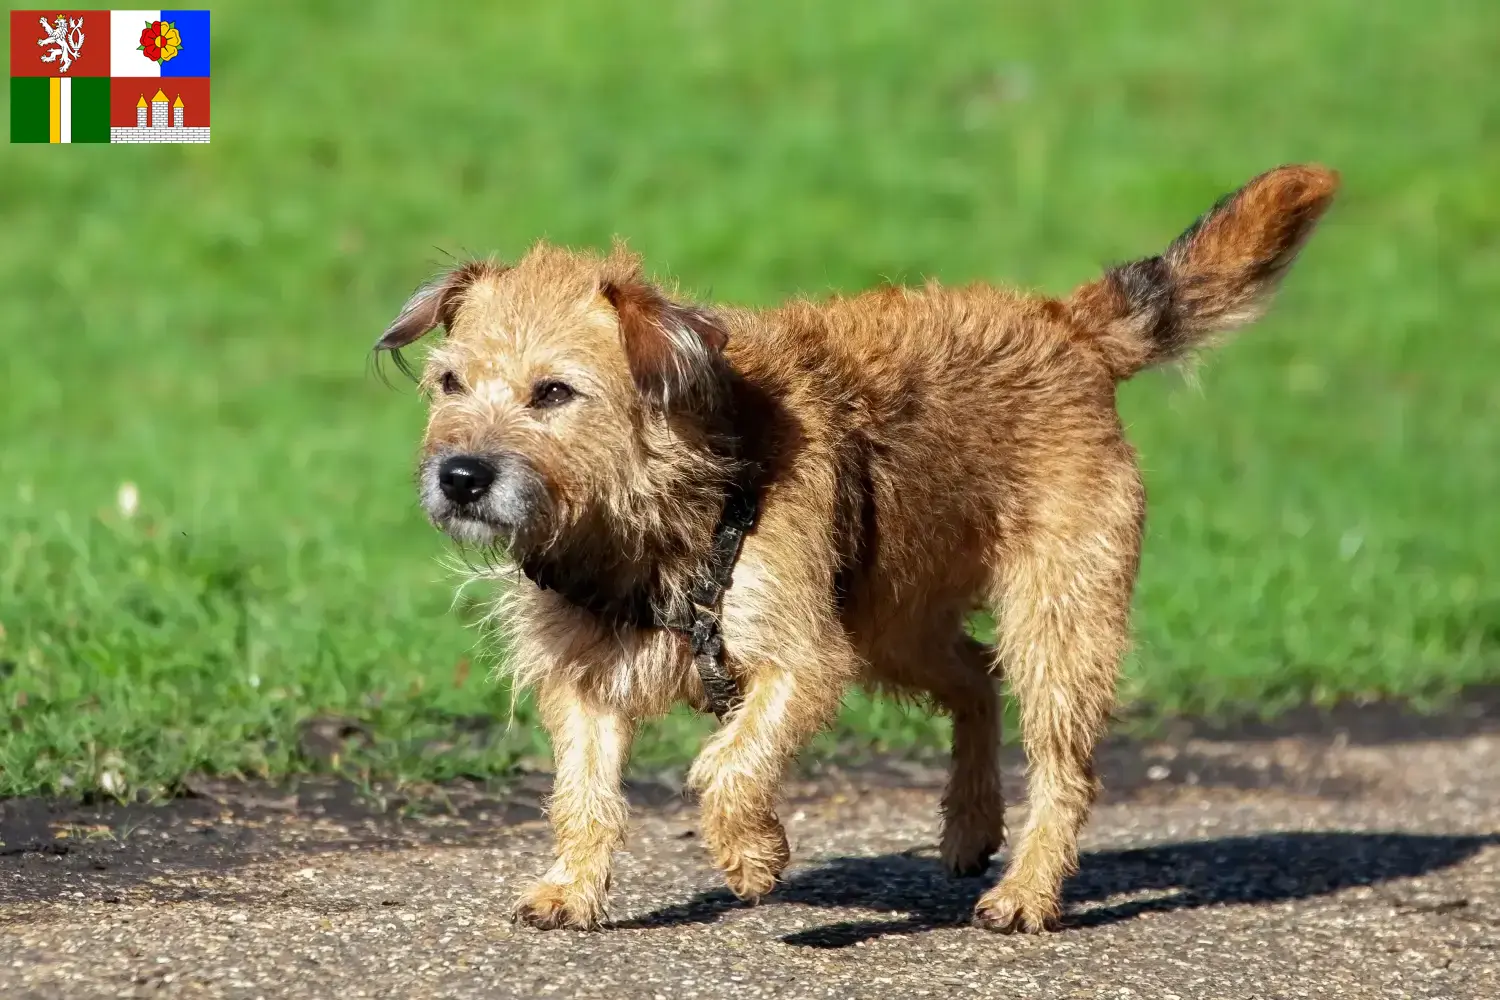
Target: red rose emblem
[151, 41]
[160, 41]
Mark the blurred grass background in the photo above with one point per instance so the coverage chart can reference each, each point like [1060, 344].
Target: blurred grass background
[196, 322]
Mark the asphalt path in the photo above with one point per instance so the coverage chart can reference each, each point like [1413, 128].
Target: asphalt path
[1347, 855]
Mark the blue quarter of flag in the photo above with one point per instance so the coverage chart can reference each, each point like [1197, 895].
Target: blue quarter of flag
[192, 60]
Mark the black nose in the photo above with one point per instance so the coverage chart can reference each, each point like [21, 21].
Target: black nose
[464, 478]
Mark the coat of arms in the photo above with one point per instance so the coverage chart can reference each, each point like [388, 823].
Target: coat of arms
[65, 36]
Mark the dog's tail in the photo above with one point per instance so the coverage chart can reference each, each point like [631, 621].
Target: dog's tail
[1217, 276]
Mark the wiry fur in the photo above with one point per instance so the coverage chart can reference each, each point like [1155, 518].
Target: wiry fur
[920, 452]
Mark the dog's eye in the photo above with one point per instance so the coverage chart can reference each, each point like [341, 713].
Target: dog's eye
[551, 393]
[451, 385]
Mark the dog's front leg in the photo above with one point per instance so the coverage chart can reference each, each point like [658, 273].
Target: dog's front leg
[739, 773]
[590, 743]
[794, 662]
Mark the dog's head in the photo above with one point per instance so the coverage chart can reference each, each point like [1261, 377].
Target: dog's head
[567, 389]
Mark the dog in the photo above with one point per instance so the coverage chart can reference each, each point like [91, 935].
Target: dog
[908, 455]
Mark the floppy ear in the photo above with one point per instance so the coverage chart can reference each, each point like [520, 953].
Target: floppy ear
[674, 350]
[432, 305]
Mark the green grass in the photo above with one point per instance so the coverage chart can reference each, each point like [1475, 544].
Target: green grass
[196, 321]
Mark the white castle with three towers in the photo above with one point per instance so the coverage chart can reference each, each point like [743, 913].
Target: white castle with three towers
[160, 129]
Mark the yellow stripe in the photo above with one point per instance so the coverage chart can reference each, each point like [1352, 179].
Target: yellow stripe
[54, 107]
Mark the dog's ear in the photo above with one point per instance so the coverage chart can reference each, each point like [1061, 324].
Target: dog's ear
[433, 305]
[673, 349]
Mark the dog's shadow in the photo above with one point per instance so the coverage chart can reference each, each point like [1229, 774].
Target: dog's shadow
[1266, 868]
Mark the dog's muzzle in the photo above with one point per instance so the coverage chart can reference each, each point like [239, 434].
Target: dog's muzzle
[483, 498]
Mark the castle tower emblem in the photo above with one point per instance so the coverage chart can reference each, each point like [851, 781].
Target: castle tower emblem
[158, 120]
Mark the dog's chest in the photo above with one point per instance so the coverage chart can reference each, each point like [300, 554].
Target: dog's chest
[642, 671]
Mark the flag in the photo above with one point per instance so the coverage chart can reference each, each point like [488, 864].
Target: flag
[119, 76]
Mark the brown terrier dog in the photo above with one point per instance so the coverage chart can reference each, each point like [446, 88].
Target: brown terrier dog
[913, 454]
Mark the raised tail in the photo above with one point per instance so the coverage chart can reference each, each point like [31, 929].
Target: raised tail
[1218, 275]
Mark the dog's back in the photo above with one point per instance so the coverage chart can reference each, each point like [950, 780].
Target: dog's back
[950, 419]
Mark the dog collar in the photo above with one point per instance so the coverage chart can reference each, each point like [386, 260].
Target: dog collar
[701, 625]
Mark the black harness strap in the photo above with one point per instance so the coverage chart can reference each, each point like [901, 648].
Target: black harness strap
[703, 629]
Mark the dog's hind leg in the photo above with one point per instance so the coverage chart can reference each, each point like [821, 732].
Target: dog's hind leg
[588, 809]
[942, 661]
[1062, 593]
[973, 803]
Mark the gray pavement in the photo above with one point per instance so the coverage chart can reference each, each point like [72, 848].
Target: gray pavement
[1214, 868]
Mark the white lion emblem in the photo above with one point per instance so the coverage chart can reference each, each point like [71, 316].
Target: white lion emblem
[66, 35]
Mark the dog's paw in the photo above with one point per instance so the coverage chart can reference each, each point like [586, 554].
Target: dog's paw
[549, 906]
[753, 861]
[1008, 909]
[750, 879]
[968, 848]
